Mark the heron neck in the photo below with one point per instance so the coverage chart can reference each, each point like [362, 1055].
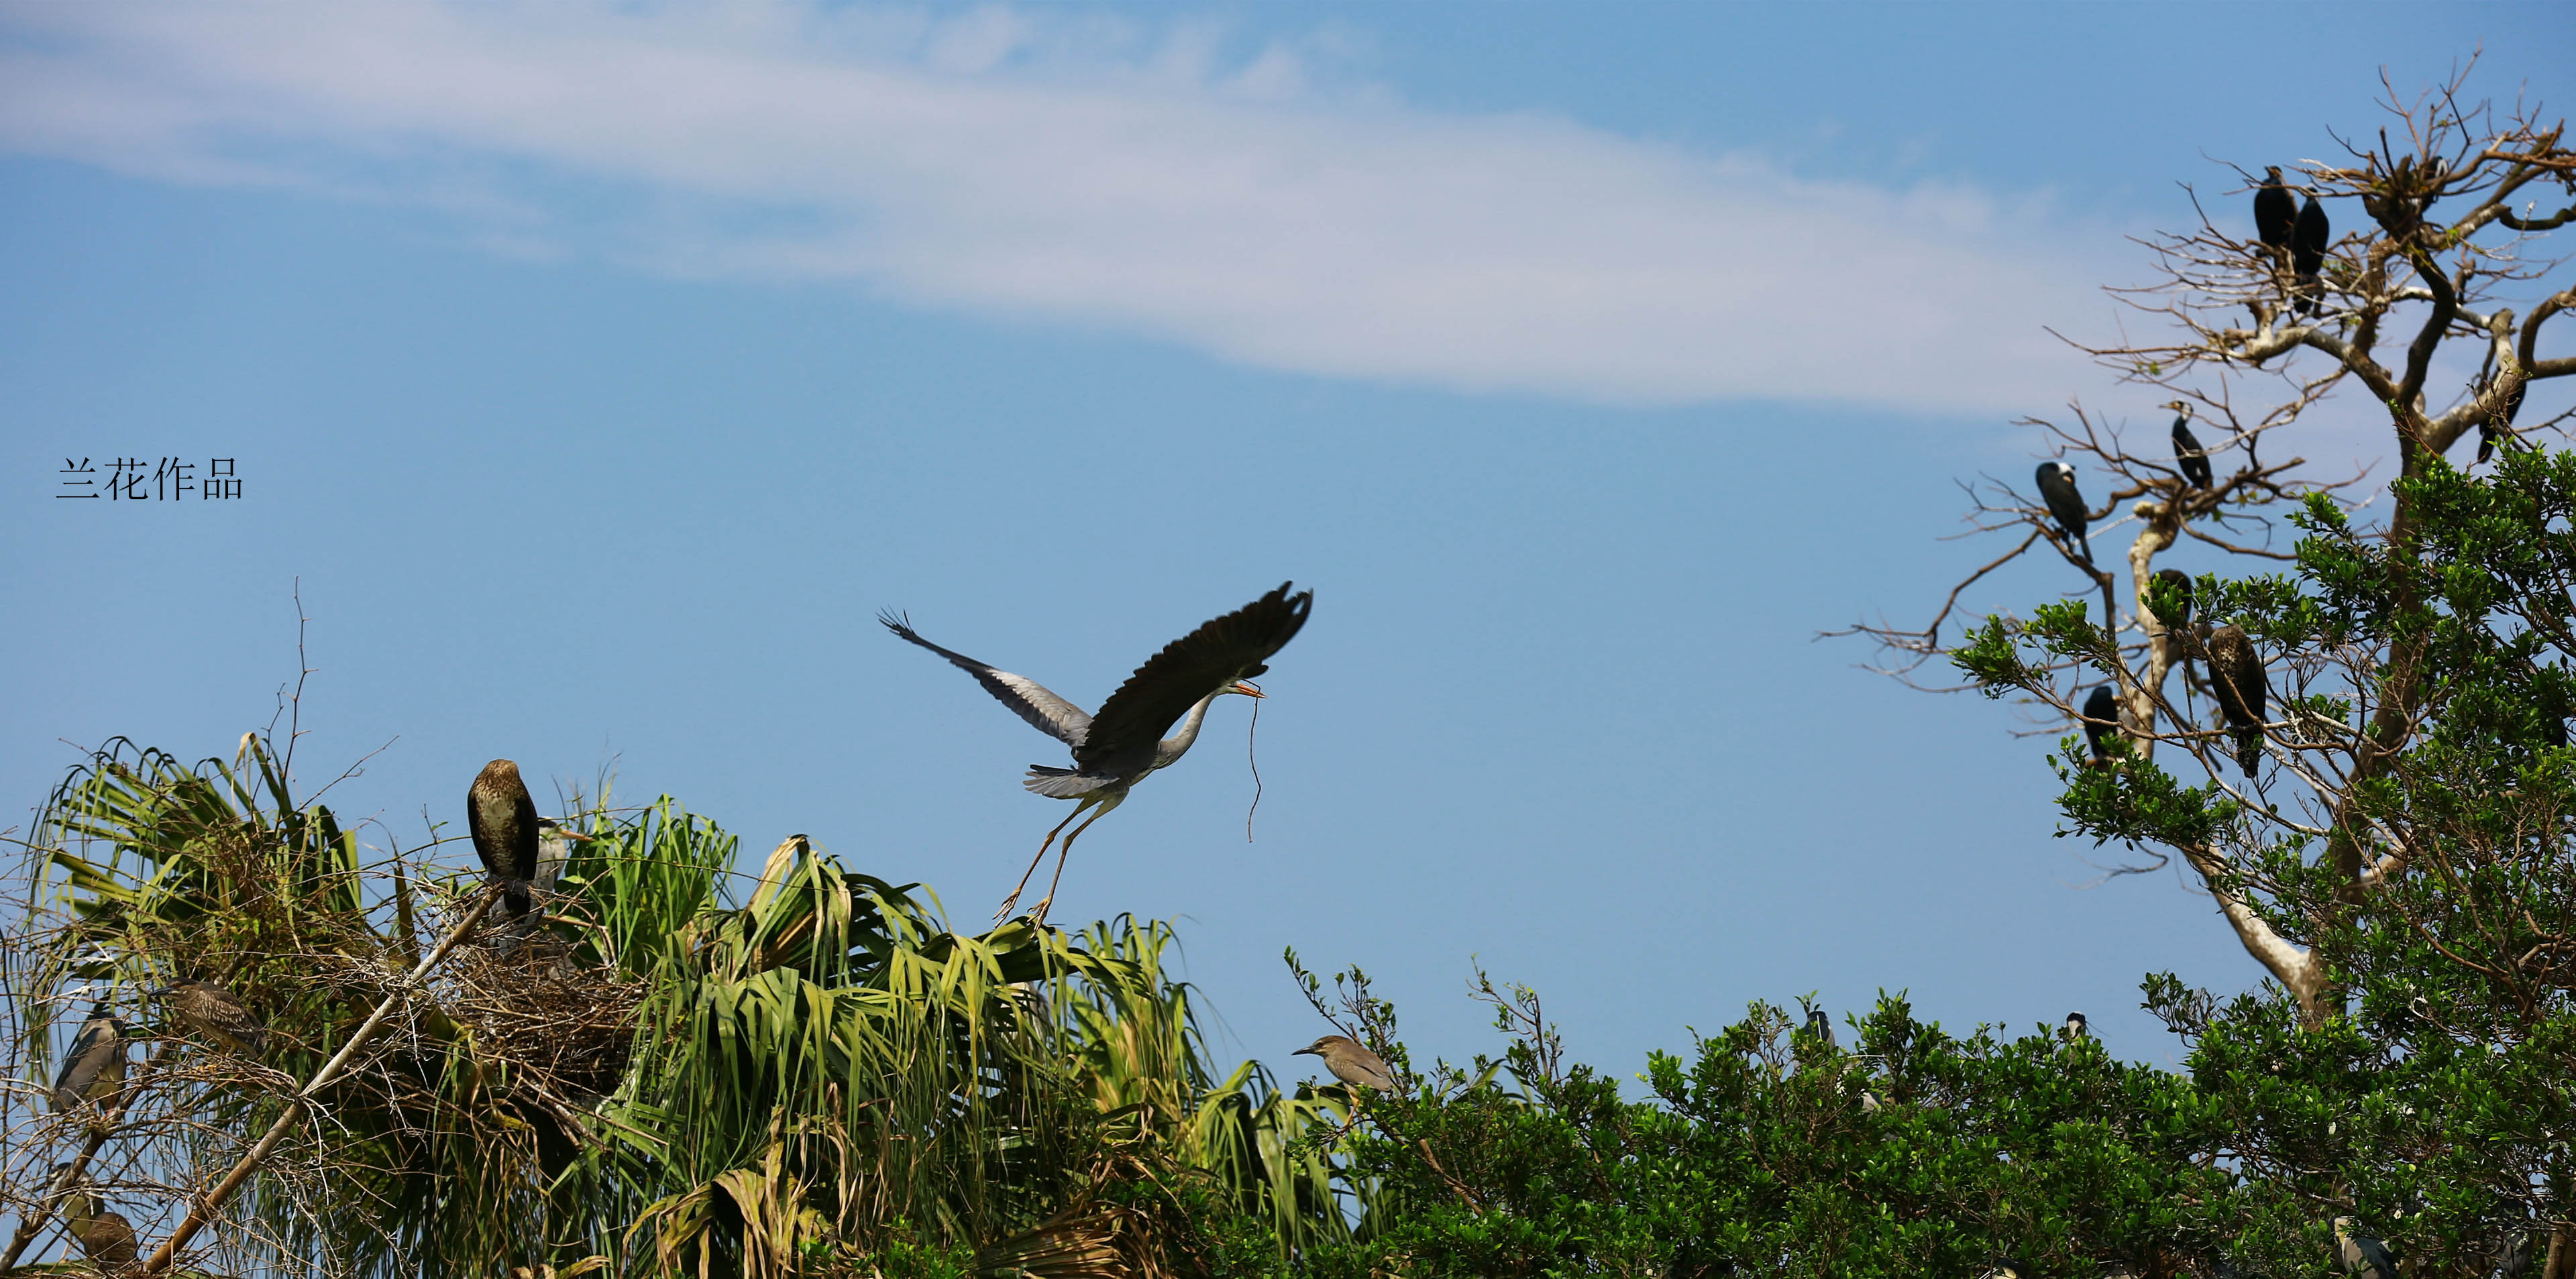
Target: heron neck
[1178, 744]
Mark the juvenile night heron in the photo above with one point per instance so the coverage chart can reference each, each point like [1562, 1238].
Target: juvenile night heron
[2308, 243]
[2102, 722]
[2362, 1256]
[1124, 743]
[2075, 1027]
[1351, 1062]
[504, 822]
[217, 1013]
[95, 1066]
[2189, 456]
[2057, 488]
[2236, 676]
[107, 1237]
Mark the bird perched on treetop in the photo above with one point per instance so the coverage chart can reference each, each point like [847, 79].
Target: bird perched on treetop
[95, 1066]
[504, 822]
[1351, 1062]
[2308, 254]
[2189, 456]
[107, 1237]
[2491, 429]
[1120, 746]
[2102, 722]
[2236, 676]
[2057, 488]
[2275, 213]
[214, 1011]
[2361, 1255]
[1821, 1026]
[2076, 1027]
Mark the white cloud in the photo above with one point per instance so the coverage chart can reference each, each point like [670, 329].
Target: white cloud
[1050, 164]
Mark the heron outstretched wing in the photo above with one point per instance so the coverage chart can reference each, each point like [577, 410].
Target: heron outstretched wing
[1052, 715]
[1218, 653]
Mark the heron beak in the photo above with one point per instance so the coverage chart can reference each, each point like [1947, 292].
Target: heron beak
[1306, 1052]
[1247, 688]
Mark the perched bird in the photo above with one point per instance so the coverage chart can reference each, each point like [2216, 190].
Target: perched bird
[1821, 1026]
[1120, 746]
[211, 1010]
[2057, 488]
[2308, 254]
[2076, 1027]
[2494, 428]
[2102, 722]
[2236, 675]
[107, 1237]
[95, 1066]
[2275, 213]
[504, 822]
[2188, 454]
[2361, 1255]
[2169, 596]
[1351, 1062]
[554, 848]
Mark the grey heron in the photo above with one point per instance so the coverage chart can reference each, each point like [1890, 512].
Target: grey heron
[2057, 488]
[503, 820]
[2102, 722]
[2275, 213]
[95, 1066]
[213, 1011]
[1124, 743]
[2362, 1256]
[2308, 253]
[2236, 676]
[2188, 454]
[1351, 1062]
[2076, 1027]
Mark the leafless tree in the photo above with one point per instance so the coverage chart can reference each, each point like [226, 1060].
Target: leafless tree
[2402, 306]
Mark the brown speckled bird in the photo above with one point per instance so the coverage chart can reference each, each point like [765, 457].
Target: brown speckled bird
[2236, 675]
[211, 1010]
[95, 1066]
[1351, 1062]
[504, 822]
[107, 1237]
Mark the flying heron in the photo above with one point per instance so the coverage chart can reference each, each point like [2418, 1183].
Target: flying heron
[2188, 454]
[213, 1011]
[2057, 488]
[1351, 1062]
[2236, 675]
[1120, 746]
[2308, 253]
[2361, 1255]
[95, 1066]
[504, 822]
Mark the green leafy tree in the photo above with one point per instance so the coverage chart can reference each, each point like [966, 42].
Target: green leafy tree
[2387, 838]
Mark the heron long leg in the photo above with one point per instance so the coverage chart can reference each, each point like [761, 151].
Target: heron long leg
[1038, 916]
[1014, 898]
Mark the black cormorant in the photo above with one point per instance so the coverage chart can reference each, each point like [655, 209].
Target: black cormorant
[2188, 454]
[2308, 254]
[2057, 488]
[2102, 722]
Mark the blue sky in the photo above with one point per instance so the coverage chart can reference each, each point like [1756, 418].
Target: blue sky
[601, 370]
